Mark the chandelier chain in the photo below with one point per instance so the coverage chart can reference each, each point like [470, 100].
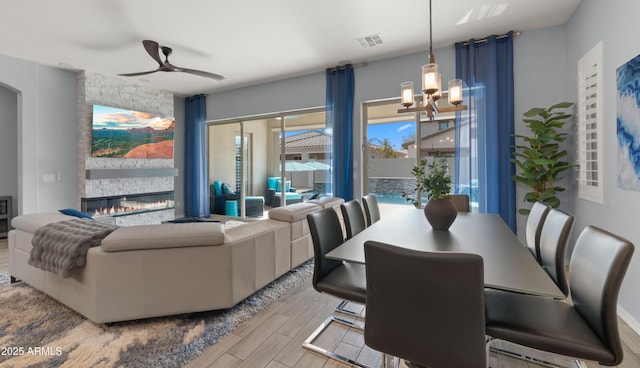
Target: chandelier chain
[432, 58]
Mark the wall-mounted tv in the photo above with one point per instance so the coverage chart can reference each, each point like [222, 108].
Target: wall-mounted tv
[131, 134]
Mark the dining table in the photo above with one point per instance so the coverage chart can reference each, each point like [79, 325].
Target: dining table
[508, 265]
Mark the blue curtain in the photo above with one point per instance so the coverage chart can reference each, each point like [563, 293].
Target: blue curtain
[196, 194]
[339, 105]
[484, 138]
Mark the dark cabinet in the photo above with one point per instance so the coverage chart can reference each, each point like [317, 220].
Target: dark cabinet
[5, 216]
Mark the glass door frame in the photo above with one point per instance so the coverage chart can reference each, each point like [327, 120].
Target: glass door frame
[245, 165]
[365, 138]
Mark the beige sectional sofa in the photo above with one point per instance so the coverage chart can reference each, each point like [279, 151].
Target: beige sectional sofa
[296, 215]
[157, 270]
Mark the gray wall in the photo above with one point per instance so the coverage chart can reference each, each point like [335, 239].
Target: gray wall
[46, 119]
[540, 81]
[545, 73]
[9, 145]
[618, 214]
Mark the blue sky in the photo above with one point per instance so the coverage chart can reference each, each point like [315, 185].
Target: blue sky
[121, 119]
[392, 131]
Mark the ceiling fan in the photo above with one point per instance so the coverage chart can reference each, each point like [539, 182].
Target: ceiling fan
[153, 47]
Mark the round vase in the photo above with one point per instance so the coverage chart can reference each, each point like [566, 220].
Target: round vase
[440, 213]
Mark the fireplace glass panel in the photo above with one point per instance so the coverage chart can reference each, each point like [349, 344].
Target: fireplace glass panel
[127, 204]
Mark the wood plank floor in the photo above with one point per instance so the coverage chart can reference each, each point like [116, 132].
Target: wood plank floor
[273, 338]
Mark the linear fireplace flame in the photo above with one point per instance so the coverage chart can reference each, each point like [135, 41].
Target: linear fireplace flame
[127, 204]
[132, 208]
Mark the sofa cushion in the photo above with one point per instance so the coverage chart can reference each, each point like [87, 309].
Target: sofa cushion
[293, 212]
[168, 235]
[217, 187]
[252, 228]
[33, 221]
[327, 202]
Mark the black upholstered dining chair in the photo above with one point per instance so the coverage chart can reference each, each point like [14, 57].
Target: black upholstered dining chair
[461, 201]
[535, 221]
[353, 216]
[553, 244]
[371, 209]
[425, 307]
[340, 279]
[588, 329]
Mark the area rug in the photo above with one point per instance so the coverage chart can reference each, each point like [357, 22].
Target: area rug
[37, 331]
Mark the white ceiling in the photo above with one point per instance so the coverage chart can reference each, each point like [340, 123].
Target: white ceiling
[250, 41]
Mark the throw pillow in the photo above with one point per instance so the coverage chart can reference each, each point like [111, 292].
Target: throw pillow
[272, 183]
[217, 187]
[226, 189]
[191, 219]
[74, 212]
[287, 186]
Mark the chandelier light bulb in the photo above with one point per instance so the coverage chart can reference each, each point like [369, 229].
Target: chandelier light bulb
[406, 93]
[455, 91]
[429, 78]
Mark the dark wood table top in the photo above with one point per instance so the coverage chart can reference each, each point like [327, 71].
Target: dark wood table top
[508, 265]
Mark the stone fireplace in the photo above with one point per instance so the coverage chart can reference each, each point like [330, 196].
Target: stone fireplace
[122, 181]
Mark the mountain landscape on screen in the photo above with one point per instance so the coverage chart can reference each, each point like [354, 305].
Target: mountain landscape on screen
[131, 134]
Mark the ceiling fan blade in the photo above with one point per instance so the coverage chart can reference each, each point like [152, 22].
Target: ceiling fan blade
[152, 48]
[199, 73]
[139, 73]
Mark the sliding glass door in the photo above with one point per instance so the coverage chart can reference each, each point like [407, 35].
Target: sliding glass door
[307, 154]
[388, 153]
[250, 159]
[394, 143]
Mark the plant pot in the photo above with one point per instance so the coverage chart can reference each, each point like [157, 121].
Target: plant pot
[440, 213]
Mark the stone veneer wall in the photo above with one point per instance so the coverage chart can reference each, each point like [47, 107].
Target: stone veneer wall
[119, 92]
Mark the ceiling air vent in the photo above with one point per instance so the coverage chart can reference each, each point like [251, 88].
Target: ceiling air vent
[370, 40]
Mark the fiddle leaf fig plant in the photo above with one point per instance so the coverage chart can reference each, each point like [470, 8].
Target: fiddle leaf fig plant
[436, 183]
[539, 155]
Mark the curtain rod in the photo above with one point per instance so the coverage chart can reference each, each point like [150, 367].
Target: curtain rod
[339, 67]
[485, 39]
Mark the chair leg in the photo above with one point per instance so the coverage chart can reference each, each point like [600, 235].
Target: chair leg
[488, 349]
[389, 361]
[341, 309]
[308, 343]
[524, 357]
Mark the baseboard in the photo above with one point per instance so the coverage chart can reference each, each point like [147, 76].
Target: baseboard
[629, 319]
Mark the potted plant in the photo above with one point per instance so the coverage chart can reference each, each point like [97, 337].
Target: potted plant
[539, 157]
[440, 210]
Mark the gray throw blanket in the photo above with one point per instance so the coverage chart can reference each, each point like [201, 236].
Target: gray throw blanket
[60, 247]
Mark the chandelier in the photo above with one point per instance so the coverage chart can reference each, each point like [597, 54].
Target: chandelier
[431, 87]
